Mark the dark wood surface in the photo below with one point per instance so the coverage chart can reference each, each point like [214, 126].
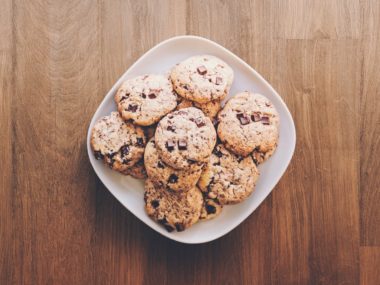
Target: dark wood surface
[58, 223]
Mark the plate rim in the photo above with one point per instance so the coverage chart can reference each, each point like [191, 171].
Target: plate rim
[245, 215]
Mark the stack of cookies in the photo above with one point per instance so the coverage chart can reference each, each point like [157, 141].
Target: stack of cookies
[195, 155]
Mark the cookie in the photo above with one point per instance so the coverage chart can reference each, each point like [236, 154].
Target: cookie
[175, 211]
[228, 178]
[202, 78]
[184, 138]
[145, 99]
[260, 156]
[118, 143]
[137, 171]
[210, 109]
[249, 122]
[164, 175]
[210, 209]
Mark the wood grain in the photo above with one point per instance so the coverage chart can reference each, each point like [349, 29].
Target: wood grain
[312, 226]
[369, 265]
[370, 127]
[6, 87]
[60, 225]
[56, 67]
[318, 19]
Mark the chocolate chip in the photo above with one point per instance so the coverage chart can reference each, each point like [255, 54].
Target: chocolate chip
[110, 159]
[255, 117]
[185, 87]
[202, 70]
[265, 120]
[169, 228]
[124, 150]
[217, 152]
[173, 178]
[170, 117]
[199, 122]
[143, 95]
[132, 108]
[170, 145]
[182, 144]
[125, 161]
[191, 161]
[123, 98]
[98, 155]
[160, 165]
[164, 222]
[171, 128]
[152, 96]
[243, 118]
[267, 104]
[240, 158]
[111, 155]
[210, 209]
[218, 80]
[155, 203]
[257, 156]
[140, 142]
[182, 112]
[179, 227]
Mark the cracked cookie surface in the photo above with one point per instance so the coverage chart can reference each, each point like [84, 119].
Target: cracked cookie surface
[164, 175]
[175, 211]
[118, 143]
[249, 123]
[145, 99]
[185, 137]
[137, 171]
[228, 178]
[202, 78]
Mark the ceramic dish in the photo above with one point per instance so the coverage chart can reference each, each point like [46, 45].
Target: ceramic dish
[129, 191]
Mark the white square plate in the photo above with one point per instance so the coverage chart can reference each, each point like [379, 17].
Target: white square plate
[129, 191]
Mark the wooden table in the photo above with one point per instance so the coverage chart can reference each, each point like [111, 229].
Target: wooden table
[58, 223]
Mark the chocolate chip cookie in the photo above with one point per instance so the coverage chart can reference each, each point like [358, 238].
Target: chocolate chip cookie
[146, 99]
[228, 178]
[211, 208]
[137, 171]
[164, 175]
[202, 78]
[210, 109]
[249, 123]
[118, 143]
[175, 211]
[184, 138]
